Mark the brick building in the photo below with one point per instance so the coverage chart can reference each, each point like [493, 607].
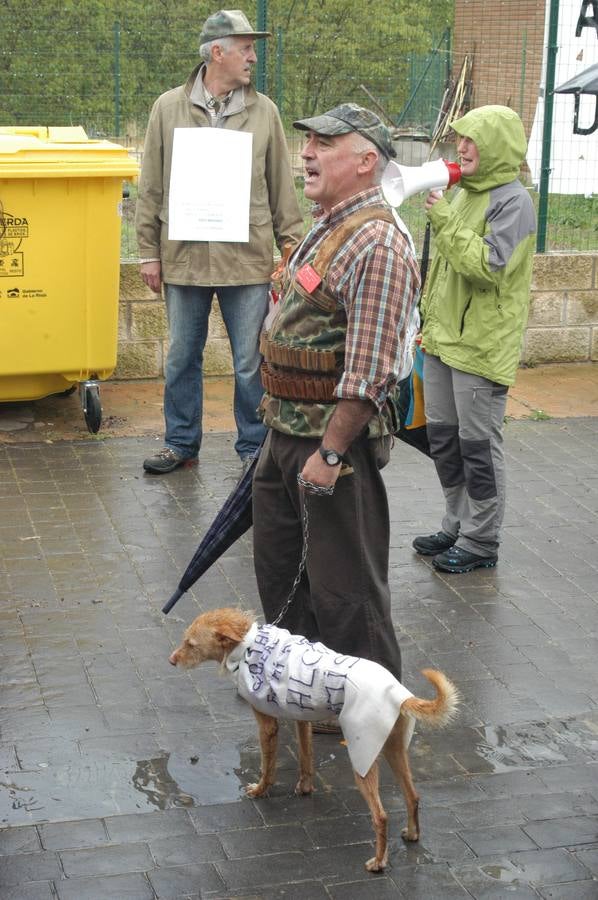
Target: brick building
[506, 40]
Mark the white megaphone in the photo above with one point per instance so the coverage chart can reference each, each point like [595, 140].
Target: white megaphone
[400, 182]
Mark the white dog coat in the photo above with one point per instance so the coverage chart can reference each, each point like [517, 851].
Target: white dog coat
[286, 676]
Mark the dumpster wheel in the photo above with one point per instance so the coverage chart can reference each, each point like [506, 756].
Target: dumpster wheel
[89, 393]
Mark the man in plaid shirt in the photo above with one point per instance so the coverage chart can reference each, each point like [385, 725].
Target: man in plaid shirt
[337, 346]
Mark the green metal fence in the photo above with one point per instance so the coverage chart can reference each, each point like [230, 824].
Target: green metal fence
[84, 64]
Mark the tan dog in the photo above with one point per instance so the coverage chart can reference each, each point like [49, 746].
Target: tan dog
[231, 637]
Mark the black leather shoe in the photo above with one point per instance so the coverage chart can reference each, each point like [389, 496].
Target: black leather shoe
[431, 544]
[458, 561]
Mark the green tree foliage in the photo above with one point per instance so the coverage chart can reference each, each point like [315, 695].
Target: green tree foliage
[55, 61]
[59, 62]
[332, 47]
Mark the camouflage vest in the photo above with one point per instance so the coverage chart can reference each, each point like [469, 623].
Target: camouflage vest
[304, 349]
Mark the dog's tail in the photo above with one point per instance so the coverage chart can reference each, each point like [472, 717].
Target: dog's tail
[442, 708]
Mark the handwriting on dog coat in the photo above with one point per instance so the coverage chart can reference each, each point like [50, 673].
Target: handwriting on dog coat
[290, 671]
[289, 677]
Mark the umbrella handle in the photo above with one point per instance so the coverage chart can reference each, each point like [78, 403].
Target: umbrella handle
[176, 596]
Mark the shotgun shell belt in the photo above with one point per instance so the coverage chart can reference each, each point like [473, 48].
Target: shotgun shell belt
[297, 357]
[297, 386]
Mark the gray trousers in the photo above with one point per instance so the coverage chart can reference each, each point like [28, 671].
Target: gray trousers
[465, 416]
[343, 598]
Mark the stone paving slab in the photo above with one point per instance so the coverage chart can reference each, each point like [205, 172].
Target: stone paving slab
[123, 778]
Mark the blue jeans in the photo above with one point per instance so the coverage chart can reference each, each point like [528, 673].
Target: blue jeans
[243, 310]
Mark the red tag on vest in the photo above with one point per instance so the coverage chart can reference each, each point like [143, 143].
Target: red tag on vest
[308, 278]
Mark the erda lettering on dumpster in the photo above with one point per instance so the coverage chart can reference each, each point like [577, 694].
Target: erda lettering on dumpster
[14, 231]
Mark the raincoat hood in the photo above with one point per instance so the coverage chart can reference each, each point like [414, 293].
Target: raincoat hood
[500, 138]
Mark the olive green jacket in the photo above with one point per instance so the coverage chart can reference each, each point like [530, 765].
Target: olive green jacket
[476, 299]
[273, 207]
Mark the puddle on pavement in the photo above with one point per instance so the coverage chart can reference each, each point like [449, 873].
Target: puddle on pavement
[579, 733]
[94, 788]
[506, 874]
[508, 748]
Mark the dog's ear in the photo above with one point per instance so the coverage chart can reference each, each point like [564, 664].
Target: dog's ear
[228, 634]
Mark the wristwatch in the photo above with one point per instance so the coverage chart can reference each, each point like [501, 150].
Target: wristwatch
[331, 456]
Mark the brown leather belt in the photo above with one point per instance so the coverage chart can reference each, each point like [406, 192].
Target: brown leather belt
[296, 357]
[297, 386]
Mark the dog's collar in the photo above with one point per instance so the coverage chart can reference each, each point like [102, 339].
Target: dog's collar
[233, 660]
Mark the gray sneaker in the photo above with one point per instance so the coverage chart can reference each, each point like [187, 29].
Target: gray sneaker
[165, 460]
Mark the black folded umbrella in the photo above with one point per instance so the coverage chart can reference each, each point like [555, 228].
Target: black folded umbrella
[233, 520]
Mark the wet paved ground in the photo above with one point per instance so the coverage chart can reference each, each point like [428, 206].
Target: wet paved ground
[123, 777]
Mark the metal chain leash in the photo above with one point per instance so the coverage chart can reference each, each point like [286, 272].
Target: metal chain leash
[309, 488]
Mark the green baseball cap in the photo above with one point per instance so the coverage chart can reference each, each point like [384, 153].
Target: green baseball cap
[228, 23]
[350, 117]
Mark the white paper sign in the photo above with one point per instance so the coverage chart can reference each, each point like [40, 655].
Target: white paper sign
[210, 185]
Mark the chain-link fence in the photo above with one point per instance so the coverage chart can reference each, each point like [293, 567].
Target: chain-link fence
[86, 68]
[563, 148]
[416, 62]
[518, 52]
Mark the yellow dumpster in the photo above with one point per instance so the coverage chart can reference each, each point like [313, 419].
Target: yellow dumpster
[60, 213]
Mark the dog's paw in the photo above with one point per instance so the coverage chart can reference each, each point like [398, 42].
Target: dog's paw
[304, 786]
[376, 865]
[410, 834]
[256, 790]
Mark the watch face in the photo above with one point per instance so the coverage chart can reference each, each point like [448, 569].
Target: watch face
[331, 457]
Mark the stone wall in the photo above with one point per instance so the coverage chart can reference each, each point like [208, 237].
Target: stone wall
[143, 332]
[563, 317]
[562, 327]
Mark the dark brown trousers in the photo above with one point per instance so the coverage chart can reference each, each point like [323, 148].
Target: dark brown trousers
[343, 598]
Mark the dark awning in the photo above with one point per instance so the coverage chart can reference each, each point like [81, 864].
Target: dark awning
[584, 83]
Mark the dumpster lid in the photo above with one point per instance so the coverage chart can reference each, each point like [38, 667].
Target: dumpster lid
[72, 135]
[38, 151]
